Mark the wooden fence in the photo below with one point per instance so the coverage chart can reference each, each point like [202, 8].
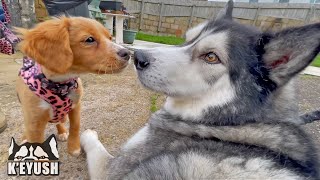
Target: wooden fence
[196, 11]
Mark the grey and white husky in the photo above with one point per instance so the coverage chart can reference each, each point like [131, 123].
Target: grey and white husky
[230, 112]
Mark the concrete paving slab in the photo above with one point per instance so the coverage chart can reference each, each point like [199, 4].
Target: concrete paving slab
[138, 44]
[311, 70]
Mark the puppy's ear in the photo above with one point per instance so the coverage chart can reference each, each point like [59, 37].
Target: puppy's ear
[288, 52]
[226, 12]
[48, 44]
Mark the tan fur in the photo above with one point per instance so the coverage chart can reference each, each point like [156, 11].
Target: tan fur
[58, 45]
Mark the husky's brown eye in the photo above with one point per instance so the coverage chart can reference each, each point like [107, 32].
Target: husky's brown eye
[211, 58]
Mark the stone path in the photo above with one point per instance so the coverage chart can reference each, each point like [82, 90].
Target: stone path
[314, 71]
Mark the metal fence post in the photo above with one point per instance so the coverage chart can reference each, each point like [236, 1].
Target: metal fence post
[141, 14]
[310, 12]
[191, 16]
[256, 16]
[160, 16]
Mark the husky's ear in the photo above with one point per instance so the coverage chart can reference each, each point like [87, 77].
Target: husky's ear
[13, 144]
[226, 12]
[195, 31]
[288, 52]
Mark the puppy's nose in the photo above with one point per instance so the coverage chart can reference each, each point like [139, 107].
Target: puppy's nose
[124, 54]
[140, 60]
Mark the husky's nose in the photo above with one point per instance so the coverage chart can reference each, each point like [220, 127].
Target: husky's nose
[140, 60]
[124, 54]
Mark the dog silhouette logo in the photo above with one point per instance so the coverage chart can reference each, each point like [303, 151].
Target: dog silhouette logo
[34, 158]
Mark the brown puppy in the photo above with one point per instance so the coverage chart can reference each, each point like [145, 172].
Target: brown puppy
[62, 49]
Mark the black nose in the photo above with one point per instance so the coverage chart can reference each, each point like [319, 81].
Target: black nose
[140, 60]
[124, 54]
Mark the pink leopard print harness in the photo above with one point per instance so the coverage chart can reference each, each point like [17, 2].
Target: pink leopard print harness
[54, 93]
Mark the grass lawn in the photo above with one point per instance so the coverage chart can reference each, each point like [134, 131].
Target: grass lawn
[153, 107]
[160, 39]
[316, 62]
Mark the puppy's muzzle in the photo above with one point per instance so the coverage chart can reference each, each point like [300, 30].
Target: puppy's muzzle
[140, 60]
[124, 54]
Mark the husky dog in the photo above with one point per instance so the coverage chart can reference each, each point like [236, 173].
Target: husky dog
[230, 112]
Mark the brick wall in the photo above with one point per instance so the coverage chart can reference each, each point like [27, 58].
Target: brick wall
[176, 26]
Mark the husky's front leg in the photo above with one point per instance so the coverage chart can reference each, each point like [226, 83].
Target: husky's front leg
[97, 156]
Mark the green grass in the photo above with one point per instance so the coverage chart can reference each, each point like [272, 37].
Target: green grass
[171, 40]
[153, 107]
[316, 62]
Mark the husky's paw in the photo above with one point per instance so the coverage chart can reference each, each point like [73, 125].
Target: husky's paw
[63, 136]
[88, 139]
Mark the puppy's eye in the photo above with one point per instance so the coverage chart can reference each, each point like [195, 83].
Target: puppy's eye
[211, 58]
[90, 40]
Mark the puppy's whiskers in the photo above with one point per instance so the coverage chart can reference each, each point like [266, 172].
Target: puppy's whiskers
[112, 68]
[100, 68]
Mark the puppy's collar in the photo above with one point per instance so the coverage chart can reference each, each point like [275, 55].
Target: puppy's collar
[54, 93]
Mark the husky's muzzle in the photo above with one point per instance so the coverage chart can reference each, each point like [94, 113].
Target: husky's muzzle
[140, 60]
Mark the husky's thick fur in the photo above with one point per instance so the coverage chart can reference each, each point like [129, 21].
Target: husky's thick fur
[230, 112]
